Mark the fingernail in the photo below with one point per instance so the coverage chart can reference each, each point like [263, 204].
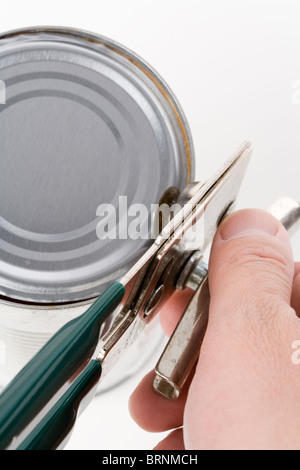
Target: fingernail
[249, 223]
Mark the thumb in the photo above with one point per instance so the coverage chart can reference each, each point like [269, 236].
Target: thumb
[251, 266]
[245, 374]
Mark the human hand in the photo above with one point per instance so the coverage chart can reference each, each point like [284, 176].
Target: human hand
[245, 392]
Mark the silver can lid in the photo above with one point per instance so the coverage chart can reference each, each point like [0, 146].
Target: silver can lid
[83, 122]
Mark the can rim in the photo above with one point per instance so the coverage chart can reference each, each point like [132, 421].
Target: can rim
[136, 60]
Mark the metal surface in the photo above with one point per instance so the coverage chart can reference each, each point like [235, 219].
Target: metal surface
[85, 121]
[182, 351]
[287, 210]
[190, 271]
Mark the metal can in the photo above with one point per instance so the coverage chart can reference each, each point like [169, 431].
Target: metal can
[84, 121]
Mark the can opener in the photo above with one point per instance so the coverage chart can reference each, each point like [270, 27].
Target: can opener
[39, 407]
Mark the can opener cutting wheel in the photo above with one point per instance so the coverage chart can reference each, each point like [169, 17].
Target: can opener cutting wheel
[39, 407]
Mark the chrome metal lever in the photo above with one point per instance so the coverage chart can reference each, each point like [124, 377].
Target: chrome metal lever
[182, 351]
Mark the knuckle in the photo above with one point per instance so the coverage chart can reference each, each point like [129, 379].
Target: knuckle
[264, 312]
[256, 255]
[264, 263]
[261, 278]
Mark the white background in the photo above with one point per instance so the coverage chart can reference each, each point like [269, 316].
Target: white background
[232, 66]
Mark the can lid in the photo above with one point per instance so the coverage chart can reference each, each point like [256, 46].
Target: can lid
[84, 122]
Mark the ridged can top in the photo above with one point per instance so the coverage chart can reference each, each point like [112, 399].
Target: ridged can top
[84, 121]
